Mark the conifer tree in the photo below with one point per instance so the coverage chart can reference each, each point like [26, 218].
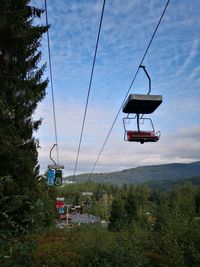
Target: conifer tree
[117, 215]
[21, 89]
[131, 208]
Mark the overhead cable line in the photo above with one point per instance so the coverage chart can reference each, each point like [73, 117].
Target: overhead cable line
[51, 82]
[89, 87]
[133, 80]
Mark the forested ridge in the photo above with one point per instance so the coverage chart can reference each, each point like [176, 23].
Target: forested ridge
[142, 225]
[156, 173]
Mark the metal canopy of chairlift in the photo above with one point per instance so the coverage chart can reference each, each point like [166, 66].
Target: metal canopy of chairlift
[141, 104]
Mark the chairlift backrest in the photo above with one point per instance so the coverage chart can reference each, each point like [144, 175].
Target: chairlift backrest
[58, 177]
[50, 177]
[54, 176]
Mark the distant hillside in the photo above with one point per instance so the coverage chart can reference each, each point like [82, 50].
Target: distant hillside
[172, 172]
[167, 185]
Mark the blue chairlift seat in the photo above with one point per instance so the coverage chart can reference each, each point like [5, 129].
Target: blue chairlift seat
[50, 177]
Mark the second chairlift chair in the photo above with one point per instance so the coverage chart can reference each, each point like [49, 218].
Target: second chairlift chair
[54, 172]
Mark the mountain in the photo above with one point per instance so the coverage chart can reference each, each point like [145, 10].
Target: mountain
[172, 172]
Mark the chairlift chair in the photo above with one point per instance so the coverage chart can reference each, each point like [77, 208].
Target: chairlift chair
[54, 172]
[139, 105]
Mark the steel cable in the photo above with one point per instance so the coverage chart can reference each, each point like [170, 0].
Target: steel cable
[133, 80]
[89, 88]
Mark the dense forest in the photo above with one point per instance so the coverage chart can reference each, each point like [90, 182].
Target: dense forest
[141, 225]
[144, 228]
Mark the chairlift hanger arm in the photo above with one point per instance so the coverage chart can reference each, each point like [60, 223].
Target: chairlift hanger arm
[138, 122]
[51, 152]
[144, 68]
[140, 103]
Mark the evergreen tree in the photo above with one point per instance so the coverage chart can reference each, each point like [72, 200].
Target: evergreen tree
[21, 89]
[117, 216]
[197, 201]
[131, 208]
[142, 193]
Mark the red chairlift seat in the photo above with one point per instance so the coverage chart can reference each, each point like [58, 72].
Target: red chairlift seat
[142, 136]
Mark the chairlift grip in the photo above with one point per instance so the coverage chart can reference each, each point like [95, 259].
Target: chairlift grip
[144, 68]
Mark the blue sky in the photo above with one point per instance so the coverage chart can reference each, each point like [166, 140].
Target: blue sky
[173, 62]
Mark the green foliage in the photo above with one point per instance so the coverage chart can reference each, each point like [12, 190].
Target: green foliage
[22, 89]
[183, 200]
[20, 79]
[197, 201]
[20, 215]
[167, 235]
[17, 253]
[176, 223]
[23, 207]
[88, 246]
[131, 208]
[16, 210]
[117, 215]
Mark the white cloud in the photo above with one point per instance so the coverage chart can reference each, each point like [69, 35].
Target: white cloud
[180, 146]
[195, 73]
[189, 59]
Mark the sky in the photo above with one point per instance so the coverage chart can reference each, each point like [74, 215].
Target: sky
[173, 63]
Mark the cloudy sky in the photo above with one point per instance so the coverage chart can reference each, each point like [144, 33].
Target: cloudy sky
[173, 62]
